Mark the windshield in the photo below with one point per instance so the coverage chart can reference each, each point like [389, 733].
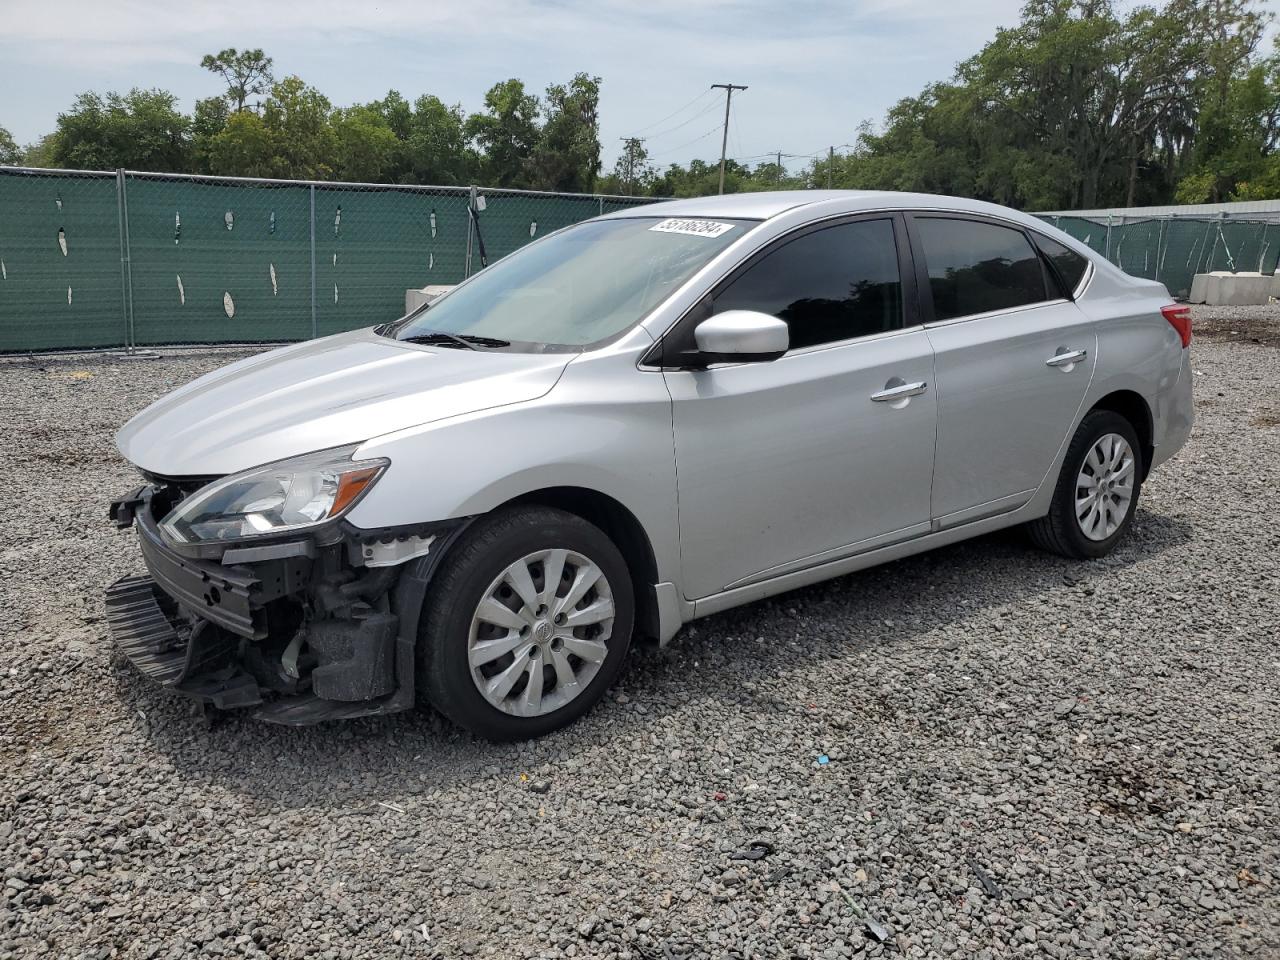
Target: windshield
[576, 287]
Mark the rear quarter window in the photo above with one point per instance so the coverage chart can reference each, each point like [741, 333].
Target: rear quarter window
[1070, 266]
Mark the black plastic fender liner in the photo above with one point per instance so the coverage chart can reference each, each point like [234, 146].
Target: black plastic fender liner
[407, 598]
[356, 657]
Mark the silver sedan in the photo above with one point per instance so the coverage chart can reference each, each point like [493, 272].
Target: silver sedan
[639, 420]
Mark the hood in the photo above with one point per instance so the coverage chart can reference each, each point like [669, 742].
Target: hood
[323, 393]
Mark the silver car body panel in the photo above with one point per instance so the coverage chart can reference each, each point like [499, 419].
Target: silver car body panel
[323, 393]
[746, 511]
[748, 480]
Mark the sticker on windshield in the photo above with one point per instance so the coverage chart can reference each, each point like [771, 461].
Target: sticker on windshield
[694, 228]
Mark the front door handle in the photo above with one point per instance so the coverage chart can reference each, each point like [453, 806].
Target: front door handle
[901, 392]
[1066, 359]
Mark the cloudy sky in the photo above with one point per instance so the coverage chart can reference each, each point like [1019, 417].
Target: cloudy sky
[815, 70]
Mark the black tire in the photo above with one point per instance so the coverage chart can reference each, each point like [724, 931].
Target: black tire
[1059, 531]
[491, 545]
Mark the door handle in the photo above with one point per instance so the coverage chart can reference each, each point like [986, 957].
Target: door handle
[1062, 359]
[889, 394]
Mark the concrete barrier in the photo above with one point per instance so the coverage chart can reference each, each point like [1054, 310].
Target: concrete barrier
[414, 298]
[1224, 289]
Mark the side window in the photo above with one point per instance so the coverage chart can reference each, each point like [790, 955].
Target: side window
[832, 284]
[975, 267]
[1069, 264]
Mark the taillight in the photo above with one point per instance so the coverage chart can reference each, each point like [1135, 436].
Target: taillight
[1179, 317]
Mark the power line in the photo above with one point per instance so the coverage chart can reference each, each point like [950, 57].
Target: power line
[702, 113]
[674, 112]
[690, 143]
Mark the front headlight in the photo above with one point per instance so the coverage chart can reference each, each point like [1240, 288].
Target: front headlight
[278, 498]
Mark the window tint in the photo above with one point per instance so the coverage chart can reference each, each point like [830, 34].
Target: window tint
[975, 267]
[829, 285]
[1069, 264]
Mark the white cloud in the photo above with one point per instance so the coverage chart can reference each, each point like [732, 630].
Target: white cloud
[815, 69]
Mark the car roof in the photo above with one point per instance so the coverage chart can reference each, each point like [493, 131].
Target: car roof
[767, 204]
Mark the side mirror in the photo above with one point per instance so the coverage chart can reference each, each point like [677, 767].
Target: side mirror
[740, 336]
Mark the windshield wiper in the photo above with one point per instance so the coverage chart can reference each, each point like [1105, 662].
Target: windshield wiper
[466, 341]
[483, 341]
[440, 339]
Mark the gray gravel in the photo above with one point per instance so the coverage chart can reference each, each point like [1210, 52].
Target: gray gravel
[1027, 756]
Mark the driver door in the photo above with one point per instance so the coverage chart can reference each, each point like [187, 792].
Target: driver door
[822, 453]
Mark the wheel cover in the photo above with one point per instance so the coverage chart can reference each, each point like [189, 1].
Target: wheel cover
[1104, 487]
[541, 632]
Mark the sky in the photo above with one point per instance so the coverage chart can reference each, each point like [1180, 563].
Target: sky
[814, 71]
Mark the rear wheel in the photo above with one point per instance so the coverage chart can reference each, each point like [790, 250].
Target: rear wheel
[1097, 490]
[526, 624]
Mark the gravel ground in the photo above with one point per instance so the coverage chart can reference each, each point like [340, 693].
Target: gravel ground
[1027, 756]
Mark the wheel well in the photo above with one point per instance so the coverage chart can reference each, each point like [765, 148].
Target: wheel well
[1133, 408]
[622, 527]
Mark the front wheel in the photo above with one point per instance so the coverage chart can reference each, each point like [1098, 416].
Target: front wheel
[526, 624]
[1097, 491]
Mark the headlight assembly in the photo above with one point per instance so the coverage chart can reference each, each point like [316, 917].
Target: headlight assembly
[281, 497]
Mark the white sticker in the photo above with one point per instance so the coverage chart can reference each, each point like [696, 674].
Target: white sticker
[694, 228]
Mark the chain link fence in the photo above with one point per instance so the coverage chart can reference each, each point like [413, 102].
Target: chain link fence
[1174, 249]
[126, 259]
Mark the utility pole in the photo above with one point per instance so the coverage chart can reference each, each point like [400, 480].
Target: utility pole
[728, 89]
[831, 164]
[633, 150]
[779, 168]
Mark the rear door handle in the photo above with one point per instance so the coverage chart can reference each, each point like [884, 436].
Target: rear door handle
[1062, 359]
[889, 394]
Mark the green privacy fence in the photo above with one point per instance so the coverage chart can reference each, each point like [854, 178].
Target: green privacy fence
[124, 259]
[1174, 249]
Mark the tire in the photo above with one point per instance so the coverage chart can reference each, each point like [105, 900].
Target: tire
[531, 639]
[1062, 531]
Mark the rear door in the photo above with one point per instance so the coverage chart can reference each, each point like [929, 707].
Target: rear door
[1013, 359]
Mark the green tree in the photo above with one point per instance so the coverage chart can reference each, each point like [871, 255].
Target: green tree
[567, 155]
[366, 146]
[210, 119]
[435, 149]
[142, 130]
[242, 148]
[40, 153]
[10, 153]
[1077, 106]
[245, 73]
[1235, 144]
[506, 133]
[303, 143]
[633, 174]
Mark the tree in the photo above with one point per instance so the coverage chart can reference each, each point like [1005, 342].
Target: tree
[567, 155]
[40, 153]
[242, 148]
[435, 149]
[142, 130]
[303, 143]
[366, 146]
[1236, 141]
[1076, 106]
[506, 133]
[210, 119]
[632, 174]
[245, 73]
[9, 152]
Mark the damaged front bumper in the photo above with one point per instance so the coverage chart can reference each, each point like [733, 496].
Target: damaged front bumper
[301, 629]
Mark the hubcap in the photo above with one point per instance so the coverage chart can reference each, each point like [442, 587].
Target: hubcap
[1104, 487]
[541, 632]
